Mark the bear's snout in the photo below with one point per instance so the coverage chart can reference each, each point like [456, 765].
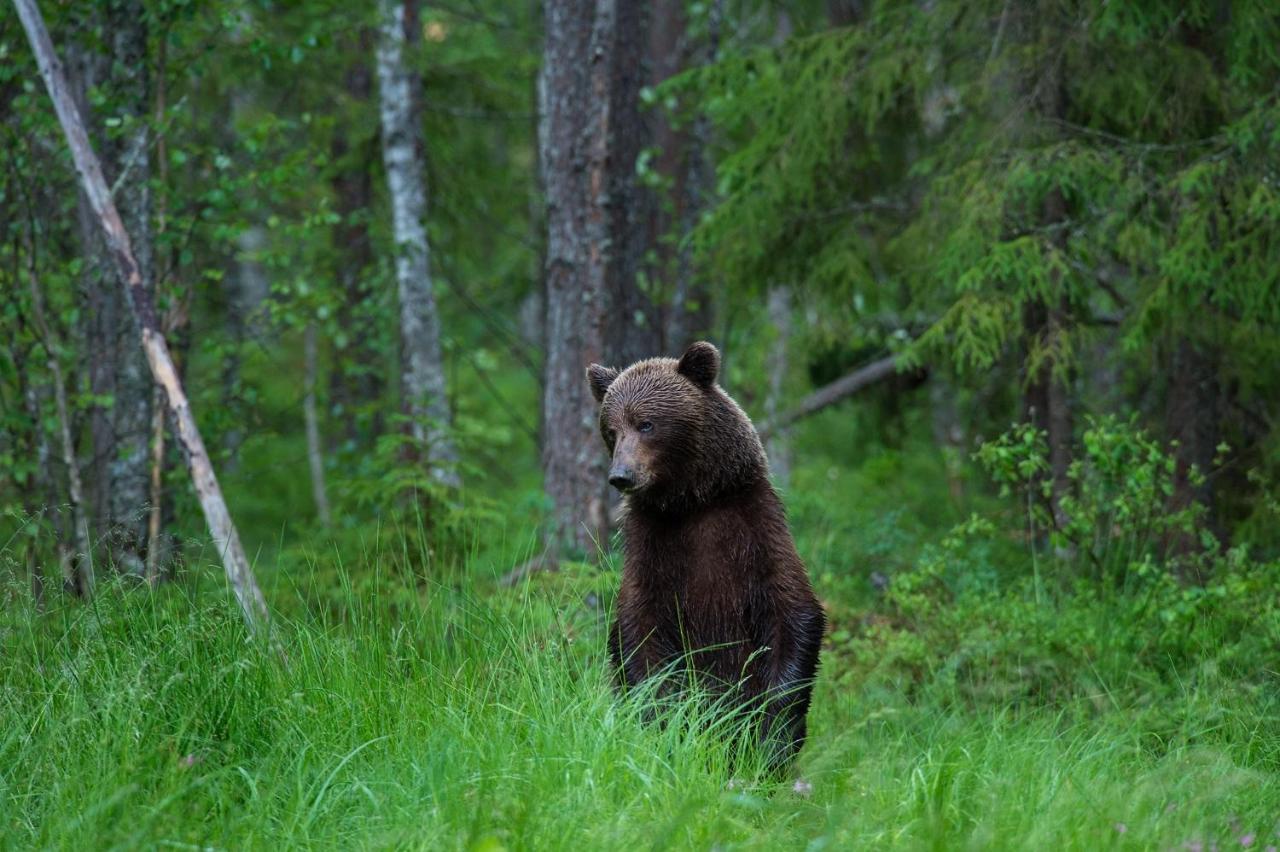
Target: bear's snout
[629, 469]
[622, 477]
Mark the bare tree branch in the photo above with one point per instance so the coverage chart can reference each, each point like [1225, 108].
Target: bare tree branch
[845, 386]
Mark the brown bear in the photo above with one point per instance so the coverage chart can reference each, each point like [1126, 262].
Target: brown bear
[711, 577]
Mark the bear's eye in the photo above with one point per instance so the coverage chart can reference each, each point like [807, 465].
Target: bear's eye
[645, 426]
[610, 435]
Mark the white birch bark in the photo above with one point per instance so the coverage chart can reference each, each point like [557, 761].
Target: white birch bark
[422, 375]
[778, 444]
[315, 449]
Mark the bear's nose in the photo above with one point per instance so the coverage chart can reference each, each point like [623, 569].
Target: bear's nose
[622, 478]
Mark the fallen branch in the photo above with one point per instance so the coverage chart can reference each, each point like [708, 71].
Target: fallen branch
[221, 528]
[845, 386]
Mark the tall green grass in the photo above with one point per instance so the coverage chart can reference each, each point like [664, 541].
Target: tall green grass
[470, 717]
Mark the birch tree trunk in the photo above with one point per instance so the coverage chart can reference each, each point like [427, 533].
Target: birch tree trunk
[315, 447]
[422, 378]
[778, 443]
[221, 528]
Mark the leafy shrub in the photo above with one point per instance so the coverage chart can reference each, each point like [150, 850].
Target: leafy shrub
[1106, 608]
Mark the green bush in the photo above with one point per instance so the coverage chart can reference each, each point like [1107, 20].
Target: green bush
[1099, 604]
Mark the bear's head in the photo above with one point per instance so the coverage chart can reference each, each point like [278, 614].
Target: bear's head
[676, 439]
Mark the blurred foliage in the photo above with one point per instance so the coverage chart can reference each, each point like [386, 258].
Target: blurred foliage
[1109, 612]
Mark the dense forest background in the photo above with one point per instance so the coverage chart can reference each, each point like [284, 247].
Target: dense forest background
[999, 283]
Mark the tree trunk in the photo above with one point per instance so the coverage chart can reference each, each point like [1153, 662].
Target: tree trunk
[38, 484]
[160, 549]
[777, 446]
[100, 320]
[634, 321]
[586, 103]
[1193, 415]
[47, 489]
[315, 447]
[683, 160]
[122, 433]
[155, 512]
[422, 378]
[356, 380]
[94, 185]
[78, 574]
[1048, 402]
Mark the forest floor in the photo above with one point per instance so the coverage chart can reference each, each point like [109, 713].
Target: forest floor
[452, 712]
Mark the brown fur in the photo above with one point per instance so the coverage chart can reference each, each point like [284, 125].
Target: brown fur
[711, 575]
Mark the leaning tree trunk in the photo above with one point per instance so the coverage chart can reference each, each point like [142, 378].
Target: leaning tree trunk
[587, 103]
[142, 306]
[422, 379]
[118, 369]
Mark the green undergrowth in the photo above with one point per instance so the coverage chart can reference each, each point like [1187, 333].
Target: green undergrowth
[988, 681]
[479, 719]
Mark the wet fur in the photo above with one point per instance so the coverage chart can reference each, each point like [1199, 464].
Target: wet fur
[711, 575]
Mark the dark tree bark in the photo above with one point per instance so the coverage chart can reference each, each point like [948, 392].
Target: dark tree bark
[1197, 398]
[422, 378]
[588, 105]
[142, 306]
[1193, 414]
[356, 381]
[77, 566]
[1048, 400]
[634, 329]
[118, 368]
[40, 493]
[685, 307]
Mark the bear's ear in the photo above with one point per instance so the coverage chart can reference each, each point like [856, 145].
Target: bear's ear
[700, 364]
[600, 378]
